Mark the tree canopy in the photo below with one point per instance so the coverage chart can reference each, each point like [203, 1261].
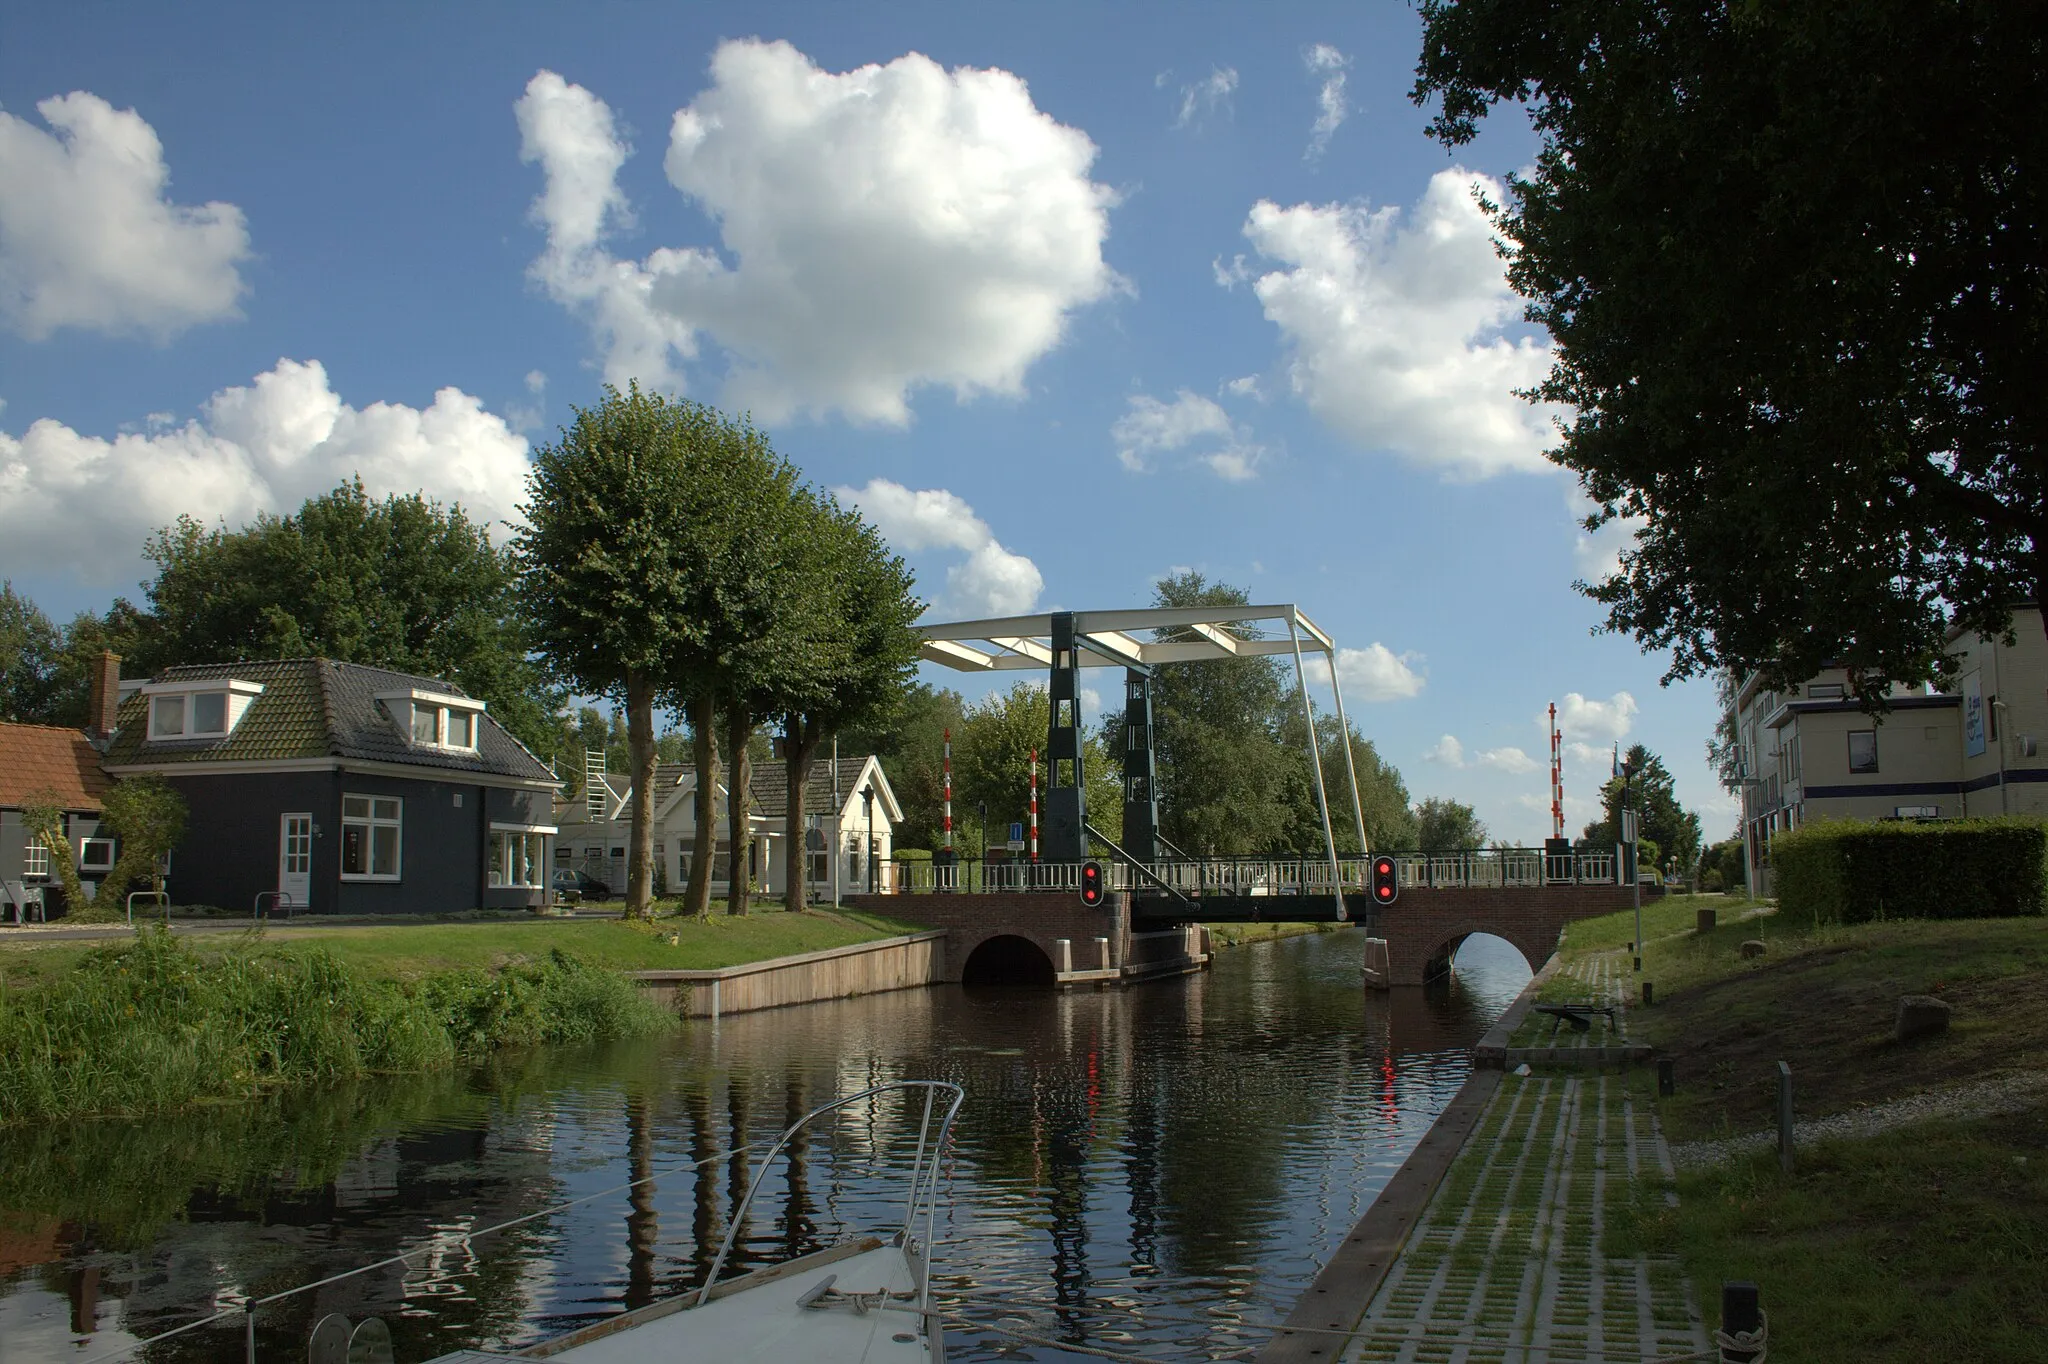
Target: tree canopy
[404, 583]
[992, 762]
[1224, 777]
[621, 551]
[1647, 788]
[1792, 258]
[1448, 826]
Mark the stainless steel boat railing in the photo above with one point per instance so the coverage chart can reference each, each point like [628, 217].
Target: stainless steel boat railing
[924, 1174]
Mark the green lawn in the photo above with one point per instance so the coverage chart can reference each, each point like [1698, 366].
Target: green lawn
[1927, 1241]
[407, 950]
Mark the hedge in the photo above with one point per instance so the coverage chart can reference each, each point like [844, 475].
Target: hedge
[911, 855]
[1854, 871]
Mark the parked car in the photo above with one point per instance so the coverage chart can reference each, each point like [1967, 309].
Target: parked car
[572, 886]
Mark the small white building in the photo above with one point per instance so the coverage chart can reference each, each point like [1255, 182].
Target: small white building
[592, 832]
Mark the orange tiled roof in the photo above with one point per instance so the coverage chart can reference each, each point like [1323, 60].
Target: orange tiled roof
[38, 762]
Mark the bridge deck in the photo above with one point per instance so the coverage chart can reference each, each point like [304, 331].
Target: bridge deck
[1160, 911]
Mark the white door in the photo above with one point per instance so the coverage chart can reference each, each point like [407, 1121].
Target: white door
[295, 859]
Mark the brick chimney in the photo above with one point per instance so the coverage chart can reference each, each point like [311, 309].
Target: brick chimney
[106, 696]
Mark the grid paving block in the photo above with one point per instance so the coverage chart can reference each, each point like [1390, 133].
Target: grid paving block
[1507, 1263]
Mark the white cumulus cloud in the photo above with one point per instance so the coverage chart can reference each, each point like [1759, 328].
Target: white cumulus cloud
[89, 239]
[1374, 673]
[1588, 720]
[1396, 326]
[89, 504]
[880, 230]
[992, 581]
[1448, 751]
[1328, 65]
[1149, 428]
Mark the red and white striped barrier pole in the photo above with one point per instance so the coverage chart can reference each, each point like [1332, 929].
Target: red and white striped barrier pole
[949, 790]
[1556, 779]
[1034, 805]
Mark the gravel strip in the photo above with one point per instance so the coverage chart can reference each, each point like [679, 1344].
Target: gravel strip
[2001, 1094]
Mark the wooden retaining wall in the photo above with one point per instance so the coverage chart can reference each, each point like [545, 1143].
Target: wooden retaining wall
[836, 973]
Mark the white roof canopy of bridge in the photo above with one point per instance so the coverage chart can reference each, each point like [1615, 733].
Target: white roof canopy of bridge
[1024, 642]
[1110, 639]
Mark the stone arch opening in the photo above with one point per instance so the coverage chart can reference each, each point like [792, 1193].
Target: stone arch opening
[1437, 962]
[1007, 959]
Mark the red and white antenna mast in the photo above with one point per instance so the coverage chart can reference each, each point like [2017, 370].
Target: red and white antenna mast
[1556, 779]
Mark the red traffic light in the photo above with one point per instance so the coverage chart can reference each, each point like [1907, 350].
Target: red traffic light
[1091, 884]
[1386, 880]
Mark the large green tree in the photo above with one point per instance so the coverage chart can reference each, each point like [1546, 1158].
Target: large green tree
[1383, 795]
[402, 583]
[1645, 786]
[610, 569]
[992, 763]
[908, 736]
[1223, 774]
[1794, 258]
[857, 647]
[29, 648]
[1448, 826]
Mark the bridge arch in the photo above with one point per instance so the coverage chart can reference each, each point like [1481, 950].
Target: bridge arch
[1436, 960]
[1007, 959]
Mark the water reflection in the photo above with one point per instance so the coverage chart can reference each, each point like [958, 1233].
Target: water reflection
[1189, 1148]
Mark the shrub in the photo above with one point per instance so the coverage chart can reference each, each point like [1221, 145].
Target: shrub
[153, 1026]
[911, 855]
[1854, 871]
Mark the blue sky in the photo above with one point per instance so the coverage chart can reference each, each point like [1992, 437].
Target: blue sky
[1065, 296]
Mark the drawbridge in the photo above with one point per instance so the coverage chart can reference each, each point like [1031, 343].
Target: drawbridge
[1166, 884]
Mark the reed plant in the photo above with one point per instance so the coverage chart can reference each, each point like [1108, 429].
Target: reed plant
[152, 1026]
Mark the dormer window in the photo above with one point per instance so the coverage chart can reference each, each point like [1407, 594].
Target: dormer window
[206, 708]
[434, 719]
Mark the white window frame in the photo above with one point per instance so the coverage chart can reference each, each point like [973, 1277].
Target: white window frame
[402, 706]
[370, 823]
[235, 694]
[86, 864]
[500, 858]
[35, 858]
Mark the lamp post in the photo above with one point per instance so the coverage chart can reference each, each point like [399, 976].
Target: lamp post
[838, 818]
[981, 809]
[867, 800]
[1635, 872]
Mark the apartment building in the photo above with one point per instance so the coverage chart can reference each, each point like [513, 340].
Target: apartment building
[1812, 753]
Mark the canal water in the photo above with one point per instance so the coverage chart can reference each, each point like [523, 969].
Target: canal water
[1148, 1171]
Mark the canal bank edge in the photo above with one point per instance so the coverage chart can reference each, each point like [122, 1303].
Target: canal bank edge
[1336, 1302]
[866, 968]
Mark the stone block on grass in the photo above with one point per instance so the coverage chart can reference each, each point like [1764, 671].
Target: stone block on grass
[1920, 1016]
[1752, 948]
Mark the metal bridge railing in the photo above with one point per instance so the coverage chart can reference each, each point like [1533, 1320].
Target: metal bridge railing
[1240, 876]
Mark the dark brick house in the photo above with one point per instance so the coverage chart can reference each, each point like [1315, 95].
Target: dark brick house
[353, 790]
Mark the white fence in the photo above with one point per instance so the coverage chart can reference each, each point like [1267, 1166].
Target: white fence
[1487, 868]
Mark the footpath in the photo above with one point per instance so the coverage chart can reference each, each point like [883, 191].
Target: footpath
[1492, 1243]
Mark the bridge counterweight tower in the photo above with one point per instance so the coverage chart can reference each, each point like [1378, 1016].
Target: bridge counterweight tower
[1141, 792]
[1066, 809]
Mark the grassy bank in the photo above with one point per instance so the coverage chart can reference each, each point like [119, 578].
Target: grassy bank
[156, 1024]
[1927, 1239]
[1237, 935]
[409, 950]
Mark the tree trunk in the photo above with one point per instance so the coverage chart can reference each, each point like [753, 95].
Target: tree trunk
[703, 710]
[739, 727]
[640, 757]
[800, 738]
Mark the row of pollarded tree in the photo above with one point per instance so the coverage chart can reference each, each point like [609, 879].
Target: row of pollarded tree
[671, 557]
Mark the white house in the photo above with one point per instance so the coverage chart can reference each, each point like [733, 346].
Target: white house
[592, 833]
